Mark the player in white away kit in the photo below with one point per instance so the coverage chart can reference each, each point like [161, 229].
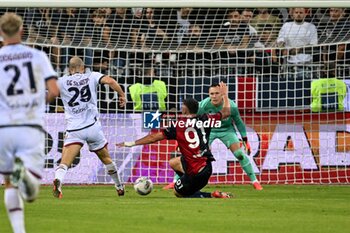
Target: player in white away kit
[79, 97]
[24, 72]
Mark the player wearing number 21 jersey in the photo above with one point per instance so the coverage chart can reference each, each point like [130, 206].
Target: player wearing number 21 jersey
[192, 133]
[25, 74]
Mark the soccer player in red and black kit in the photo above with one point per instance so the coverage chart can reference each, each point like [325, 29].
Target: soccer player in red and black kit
[192, 133]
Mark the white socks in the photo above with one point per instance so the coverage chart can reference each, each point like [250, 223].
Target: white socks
[113, 172]
[15, 209]
[60, 172]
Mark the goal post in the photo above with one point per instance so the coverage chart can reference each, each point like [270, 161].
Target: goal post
[161, 54]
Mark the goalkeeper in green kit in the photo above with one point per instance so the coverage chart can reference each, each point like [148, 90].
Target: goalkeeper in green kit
[227, 133]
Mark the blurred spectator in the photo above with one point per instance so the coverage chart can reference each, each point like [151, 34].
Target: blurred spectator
[100, 39]
[167, 21]
[152, 37]
[74, 33]
[137, 12]
[283, 14]
[266, 38]
[311, 15]
[39, 25]
[247, 16]
[265, 17]
[335, 29]
[42, 31]
[119, 29]
[192, 40]
[233, 35]
[295, 36]
[192, 44]
[107, 11]
[100, 36]
[137, 23]
[265, 58]
[119, 24]
[183, 23]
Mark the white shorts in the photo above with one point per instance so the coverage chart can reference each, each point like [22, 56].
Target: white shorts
[27, 143]
[92, 135]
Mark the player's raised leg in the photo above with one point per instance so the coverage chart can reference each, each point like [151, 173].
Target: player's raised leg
[27, 182]
[70, 151]
[22, 173]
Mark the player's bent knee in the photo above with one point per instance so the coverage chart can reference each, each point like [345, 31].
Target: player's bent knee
[173, 163]
[29, 187]
[239, 154]
[31, 193]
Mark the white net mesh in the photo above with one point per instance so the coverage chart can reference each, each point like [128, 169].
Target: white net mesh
[270, 58]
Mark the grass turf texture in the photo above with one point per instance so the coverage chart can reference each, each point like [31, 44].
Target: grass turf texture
[278, 208]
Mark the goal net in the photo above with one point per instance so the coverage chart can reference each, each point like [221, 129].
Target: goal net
[286, 68]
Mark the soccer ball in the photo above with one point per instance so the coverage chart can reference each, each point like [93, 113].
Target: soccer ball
[143, 185]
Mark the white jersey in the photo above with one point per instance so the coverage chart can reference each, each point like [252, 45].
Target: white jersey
[79, 97]
[298, 35]
[23, 72]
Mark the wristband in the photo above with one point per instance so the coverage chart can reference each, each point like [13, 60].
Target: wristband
[129, 144]
[245, 139]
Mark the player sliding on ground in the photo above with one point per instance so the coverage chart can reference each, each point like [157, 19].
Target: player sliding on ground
[227, 133]
[194, 165]
[79, 97]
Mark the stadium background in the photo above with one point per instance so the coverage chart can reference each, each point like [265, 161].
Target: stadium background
[291, 144]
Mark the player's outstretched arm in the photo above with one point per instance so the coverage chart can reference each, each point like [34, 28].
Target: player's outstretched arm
[143, 141]
[116, 87]
[225, 111]
[52, 90]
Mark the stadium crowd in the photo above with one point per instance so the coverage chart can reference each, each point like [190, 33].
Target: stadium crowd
[197, 29]
[182, 42]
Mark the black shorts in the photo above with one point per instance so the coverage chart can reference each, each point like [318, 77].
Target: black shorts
[187, 185]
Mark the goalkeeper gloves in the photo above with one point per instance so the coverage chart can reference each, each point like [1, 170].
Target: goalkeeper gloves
[246, 145]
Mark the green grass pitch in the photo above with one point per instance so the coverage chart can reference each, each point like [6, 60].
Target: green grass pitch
[276, 209]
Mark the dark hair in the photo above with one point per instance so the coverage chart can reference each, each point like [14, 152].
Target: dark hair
[215, 85]
[329, 70]
[268, 27]
[191, 104]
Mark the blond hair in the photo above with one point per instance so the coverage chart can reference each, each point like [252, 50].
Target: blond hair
[76, 64]
[10, 24]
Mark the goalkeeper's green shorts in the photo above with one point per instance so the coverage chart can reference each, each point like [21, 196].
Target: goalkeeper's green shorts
[228, 137]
